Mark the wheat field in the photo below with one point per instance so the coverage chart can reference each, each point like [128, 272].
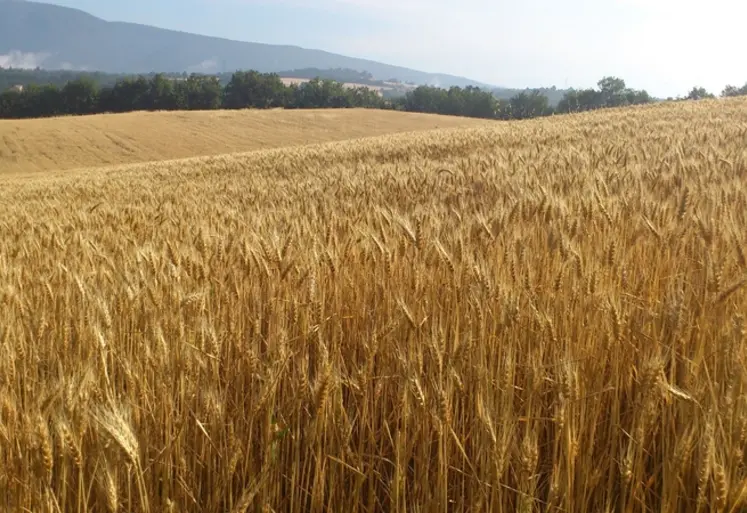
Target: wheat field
[33, 145]
[537, 316]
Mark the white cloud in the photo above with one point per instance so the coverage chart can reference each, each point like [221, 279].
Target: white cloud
[206, 66]
[68, 66]
[25, 60]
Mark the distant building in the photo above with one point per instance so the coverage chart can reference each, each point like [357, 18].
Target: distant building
[17, 88]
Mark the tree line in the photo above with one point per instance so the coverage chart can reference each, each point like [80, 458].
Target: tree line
[195, 92]
[10, 77]
[251, 89]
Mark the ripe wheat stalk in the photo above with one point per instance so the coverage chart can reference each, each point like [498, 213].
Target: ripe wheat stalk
[540, 316]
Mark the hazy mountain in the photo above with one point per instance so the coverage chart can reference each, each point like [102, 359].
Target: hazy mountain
[53, 37]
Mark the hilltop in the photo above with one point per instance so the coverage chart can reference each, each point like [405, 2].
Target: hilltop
[65, 143]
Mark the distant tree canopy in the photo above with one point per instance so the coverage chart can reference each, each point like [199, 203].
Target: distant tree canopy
[553, 94]
[528, 105]
[610, 92]
[91, 93]
[245, 89]
[731, 90]
[10, 77]
[699, 93]
[254, 89]
[470, 101]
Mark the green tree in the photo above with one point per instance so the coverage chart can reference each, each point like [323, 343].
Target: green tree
[590, 99]
[503, 109]
[80, 96]
[9, 104]
[127, 95]
[580, 100]
[730, 91]
[254, 89]
[203, 92]
[321, 94]
[455, 103]
[365, 97]
[426, 99]
[698, 93]
[527, 105]
[479, 103]
[613, 91]
[49, 100]
[34, 102]
[162, 93]
[635, 97]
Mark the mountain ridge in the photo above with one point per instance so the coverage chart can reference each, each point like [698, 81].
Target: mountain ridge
[55, 37]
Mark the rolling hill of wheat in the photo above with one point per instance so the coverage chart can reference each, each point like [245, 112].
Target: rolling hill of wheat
[29, 146]
[536, 316]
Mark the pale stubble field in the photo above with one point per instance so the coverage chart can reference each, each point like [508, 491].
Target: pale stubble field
[58, 144]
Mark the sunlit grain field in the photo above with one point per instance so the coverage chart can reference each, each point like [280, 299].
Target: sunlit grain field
[29, 146]
[535, 316]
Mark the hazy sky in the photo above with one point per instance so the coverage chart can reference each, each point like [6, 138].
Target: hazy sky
[664, 46]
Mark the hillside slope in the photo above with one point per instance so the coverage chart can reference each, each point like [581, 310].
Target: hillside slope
[534, 316]
[70, 142]
[57, 37]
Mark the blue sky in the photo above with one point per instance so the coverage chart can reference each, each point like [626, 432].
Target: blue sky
[664, 46]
